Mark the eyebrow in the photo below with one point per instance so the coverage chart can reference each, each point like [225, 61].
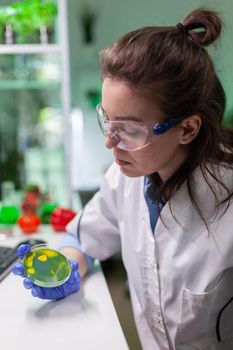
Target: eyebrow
[128, 118]
[125, 117]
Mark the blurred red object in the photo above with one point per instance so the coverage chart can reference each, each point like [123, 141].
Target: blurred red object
[30, 203]
[29, 223]
[60, 217]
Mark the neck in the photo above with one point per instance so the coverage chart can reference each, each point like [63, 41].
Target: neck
[167, 172]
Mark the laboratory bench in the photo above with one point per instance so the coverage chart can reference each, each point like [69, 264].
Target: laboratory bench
[85, 320]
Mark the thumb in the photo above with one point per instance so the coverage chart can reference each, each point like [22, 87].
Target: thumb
[75, 265]
[18, 269]
[22, 250]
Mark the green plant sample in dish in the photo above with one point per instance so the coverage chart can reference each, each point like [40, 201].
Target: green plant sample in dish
[46, 267]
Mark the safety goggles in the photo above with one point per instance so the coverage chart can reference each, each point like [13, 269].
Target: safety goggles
[131, 135]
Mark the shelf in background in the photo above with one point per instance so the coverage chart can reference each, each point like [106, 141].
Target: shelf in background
[26, 84]
[6, 49]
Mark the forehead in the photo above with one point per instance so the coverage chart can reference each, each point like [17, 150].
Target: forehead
[119, 100]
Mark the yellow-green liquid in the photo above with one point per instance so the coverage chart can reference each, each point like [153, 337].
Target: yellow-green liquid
[46, 267]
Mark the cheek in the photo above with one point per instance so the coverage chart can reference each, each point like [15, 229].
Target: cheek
[155, 156]
[153, 152]
[148, 160]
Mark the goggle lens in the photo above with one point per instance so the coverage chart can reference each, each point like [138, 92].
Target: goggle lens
[127, 135]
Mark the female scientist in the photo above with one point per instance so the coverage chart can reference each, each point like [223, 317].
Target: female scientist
[167, 200]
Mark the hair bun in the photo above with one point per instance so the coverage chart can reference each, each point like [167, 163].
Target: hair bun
[204, 19]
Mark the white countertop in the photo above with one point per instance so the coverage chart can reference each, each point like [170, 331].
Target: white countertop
[84, 321]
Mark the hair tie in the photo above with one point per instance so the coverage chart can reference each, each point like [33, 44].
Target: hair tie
[181, 28]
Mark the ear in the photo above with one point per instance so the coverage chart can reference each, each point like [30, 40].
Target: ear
[190, 127]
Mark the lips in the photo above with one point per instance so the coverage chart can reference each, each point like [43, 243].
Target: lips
[121, 162]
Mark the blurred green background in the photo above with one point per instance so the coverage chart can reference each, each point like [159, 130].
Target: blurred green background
[31, 128]
[114, 18]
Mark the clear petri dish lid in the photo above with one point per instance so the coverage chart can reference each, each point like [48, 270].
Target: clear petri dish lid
[46, 266]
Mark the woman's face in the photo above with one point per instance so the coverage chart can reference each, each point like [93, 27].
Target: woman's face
[163, 155]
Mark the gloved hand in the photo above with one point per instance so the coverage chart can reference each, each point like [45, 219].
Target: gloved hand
[72, 285]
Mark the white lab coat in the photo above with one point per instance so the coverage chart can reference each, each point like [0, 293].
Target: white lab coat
[180, 276]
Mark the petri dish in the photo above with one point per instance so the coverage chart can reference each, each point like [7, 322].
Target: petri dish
[46, 267]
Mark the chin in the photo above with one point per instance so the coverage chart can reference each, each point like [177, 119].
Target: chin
[131, 172]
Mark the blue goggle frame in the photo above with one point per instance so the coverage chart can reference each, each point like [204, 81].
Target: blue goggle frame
[161, 127]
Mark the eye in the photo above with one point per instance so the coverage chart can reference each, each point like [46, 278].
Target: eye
[129, 132]
[133, 133]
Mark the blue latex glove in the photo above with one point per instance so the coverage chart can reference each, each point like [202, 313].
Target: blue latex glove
[72, 285]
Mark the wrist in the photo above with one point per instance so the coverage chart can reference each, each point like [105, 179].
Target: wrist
[75, 254]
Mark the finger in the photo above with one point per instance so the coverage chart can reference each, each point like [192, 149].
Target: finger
[22, 250]
[74, 272]
[37, 291]
[18, 269]
[27, 283]
[74, 279]
[75, 265]
[47, 293]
